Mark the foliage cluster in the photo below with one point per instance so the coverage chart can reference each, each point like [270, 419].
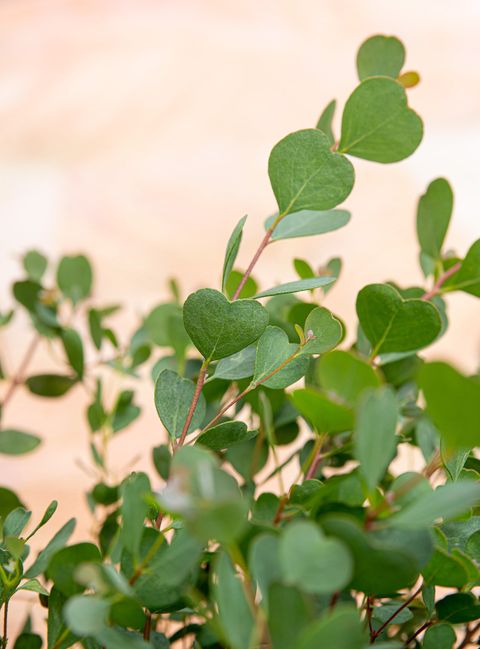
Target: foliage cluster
[251, 385]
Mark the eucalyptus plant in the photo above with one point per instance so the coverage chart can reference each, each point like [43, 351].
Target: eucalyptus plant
[276, 514]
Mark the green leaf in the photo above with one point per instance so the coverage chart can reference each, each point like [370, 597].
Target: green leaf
[134, 491]
[35, 265]
[50, 385]
[170, 573]
[28, 641]
[312, 562]
[16, 521]
[219, 328]
[458, 608]
[226, 435]
[63, 564]
[393, 324]
[380, 566]
[307, 223]
[158, 323]
[75, 277]
[467, 279]
[274, 349]
[325, 120]
[375, 439]
[445, 502]
[162, 459]
[296, 287]
[264, 562]
[234, 612]
[8, 501]
[327, 331]
[439, 636]
[73, 346]
[289, 613]
[325, 415]
[56, 543]
[452, 403]
[380, 56]
[233, 282]
[86, 614]
[231, 253]
[27, 293]
[346, 375]
[117, 638]
[173, 396]
[433, 216]
[340, 628]
[34, 586]
[240, 365]
[303, 269]
[377, 123]
[306, 175]
[16, 442]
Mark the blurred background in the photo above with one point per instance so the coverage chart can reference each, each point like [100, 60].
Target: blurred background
[138, 132]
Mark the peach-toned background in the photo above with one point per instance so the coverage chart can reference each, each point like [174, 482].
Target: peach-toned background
[139, 131]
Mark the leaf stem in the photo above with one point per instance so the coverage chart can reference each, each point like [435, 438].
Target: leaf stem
[374, 634]
[193, 405]
[5, 624]
[441, 280]
[18, 377]
[249, 388]
[424, 626]
[263, 244]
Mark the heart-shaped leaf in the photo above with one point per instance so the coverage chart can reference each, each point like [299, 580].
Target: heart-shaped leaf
[380, 56]
[393, 324]
[219, 328]
[306, 175]
[274, 349]
[433, 216]
[312, 562]
[324, 331]
[453, 404]
[173, 396]
[377, 123]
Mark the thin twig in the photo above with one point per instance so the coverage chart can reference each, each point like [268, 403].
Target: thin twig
[265, 241]
[440, 281]
[193, 405]
[5, 624]
[418, 632]
[408, 601]
[18, 377]
[468, 639]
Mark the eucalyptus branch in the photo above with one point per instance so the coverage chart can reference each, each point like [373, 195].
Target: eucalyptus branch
[424, 626]
[193, 405]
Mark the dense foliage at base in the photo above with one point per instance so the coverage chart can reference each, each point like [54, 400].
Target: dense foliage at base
[277, 514]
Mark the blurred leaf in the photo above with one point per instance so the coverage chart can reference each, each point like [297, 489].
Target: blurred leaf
[73, 346]
[86, 614]
[249, 289]
[340, 628]
[61, 567]
[56, 543]
[134, 491]
[124, 411]
[468, 277]
[325, 120]
[240, 365]
[347, 375]
[439, 636]
[16, 442]
[50, 385]
[35, 265]
[380, 56]
[325, 415]
[433, 216]
[75, 277]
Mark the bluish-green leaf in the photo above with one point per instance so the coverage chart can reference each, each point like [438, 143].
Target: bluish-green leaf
[325, 120]
[75, 277]
[433, 216]
[297, 287]
[325, 415]
[134, 491]
[231, 253]
[308, 223]
[240, 365]
[273, 350]
[173, 396]
[468, 277]
[225, 435]
[380, 56]
[346, 374]
[325, 330]
[16, 442]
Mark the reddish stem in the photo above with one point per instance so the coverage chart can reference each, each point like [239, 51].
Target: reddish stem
[418, 632]
[18, 377]
[193, 405]
[441, 280]
[408, 601]
[248, 272]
